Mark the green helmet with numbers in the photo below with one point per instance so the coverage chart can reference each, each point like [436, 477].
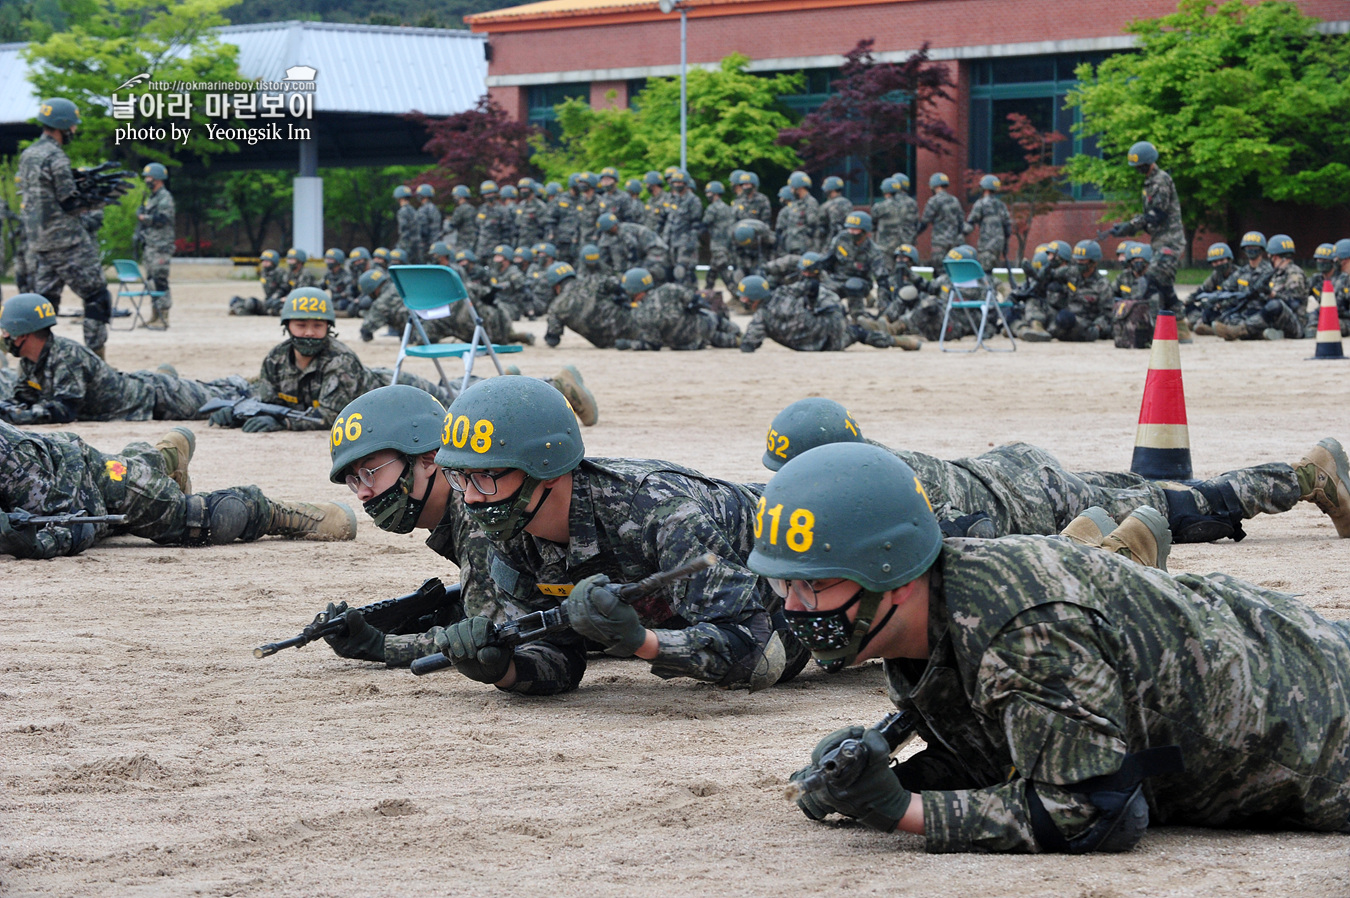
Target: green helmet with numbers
[308, 303]
[552, 188]
[743, 234]
[653, 178]
[440, 249]
[546, 249]
[399, 417]
[398, 257]
[633, 187]
[511, 422]
[833, 182]
[607, 222]
[990, 182]
[487, 188]
[1060, 249]
[1281, 245]
[743, 179]
[799, 179]
[58, 113]
[715, 188]
[371, 280]
[961, 251]
[426, 190]
[901, 180]
[1253, 238]
[909, 251]
[270, 255]
[27, 313]
[850, 510]
[1087, 251]
[785, 194]
[1139, 251]
[806, 424]
[753, 289]
[461, 191]
[297, 255]
[810, 262]
[402, 192]
[1324, 251]
[889, 186]
[1039, 260]
[156, 171]
[1142, 154]
[590, 253]
[381, 254]
[559, 272]
[465, 255]
[636, 281]
[1218, 251]
[609, 171]
[359, 252]
[334, 255]
[509, 193]
[860, 220]
[939, 179]
[1340, 250]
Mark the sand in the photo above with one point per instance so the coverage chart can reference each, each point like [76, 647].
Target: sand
[144, 751]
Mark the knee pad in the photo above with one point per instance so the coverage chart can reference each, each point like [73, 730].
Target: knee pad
[1065, 320]
[99, 306]
[214, 519]
[1189, 525]
[1270, 312]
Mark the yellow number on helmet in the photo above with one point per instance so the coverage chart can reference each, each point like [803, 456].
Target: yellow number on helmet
[759, 518]
[482, 436]
[922, 492]
[335, 437]
[799, 535]
[459, 435]
[353, 429]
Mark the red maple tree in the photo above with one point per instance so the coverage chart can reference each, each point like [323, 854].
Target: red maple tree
[473, 146]
[1035, 190]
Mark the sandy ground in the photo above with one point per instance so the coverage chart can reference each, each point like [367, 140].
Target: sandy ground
[144, 751]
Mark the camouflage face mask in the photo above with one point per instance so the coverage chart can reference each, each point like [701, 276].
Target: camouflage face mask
[507, 517]
[309, 346]
[834, 641]
[395, 509]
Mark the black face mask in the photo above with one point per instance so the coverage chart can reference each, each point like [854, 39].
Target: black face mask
[395, 509]
[309, 346]
[833, 640]
[12, 348]
[1324, 265]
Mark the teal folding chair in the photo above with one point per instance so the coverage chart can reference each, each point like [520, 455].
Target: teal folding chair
[132, 287]
[967, 273]
[430, 292]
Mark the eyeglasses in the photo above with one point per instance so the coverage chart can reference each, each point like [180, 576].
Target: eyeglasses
[806, 592]
[366, 476]
[484, 482]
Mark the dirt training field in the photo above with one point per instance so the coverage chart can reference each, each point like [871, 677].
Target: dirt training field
[144, 751]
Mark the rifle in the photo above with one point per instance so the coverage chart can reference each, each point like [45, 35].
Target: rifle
[418, 611]
[842, 765]
[102, 185]
[21, 518]
[248, 407]
[539, 624]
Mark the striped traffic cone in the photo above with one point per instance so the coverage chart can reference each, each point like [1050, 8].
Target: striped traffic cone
[1328, 327]
[1162, 444]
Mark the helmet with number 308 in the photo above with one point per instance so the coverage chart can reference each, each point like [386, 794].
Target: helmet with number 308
[806, 424]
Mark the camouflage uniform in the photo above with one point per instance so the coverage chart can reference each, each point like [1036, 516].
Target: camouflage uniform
[62, 250]
[595, 309]
[494, 228]
[925, 318]
[755, 205]
[629, 518]
[341, 286]
[799, 226]
[1340, 288]
[654, 212]
[832, 215]
[461, 228]
[718, 222]
[887, 217]
[156, 237]
[1029, 692]
[990, 214]
[428, 229]
[751, 258]
[564, 227]
[73, 384]
[1089, 309]
[410, 232]
[59, 473]
[282, 282]
[1290, 285]
[1243, 311]
[1161, 219]
[386, 309]
[531, 216]
[847, 258]
[674, 316]
[909, 217]
[24, 267]
[330, 381]
[510, 292]
[793, 317]
[634, 246]
[683, 223]
[942, 213]
[623, 204]
[586, 211]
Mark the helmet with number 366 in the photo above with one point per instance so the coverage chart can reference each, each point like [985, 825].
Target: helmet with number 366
[399, 417]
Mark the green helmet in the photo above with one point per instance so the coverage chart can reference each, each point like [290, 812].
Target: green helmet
[27, 313]
[359, 252]
[523, 253]
[297, 255]
[559, 272]
[1140, 251]
[634, 186]
[552, 188]
[799, 179]
[546, 249]
[487, 188]
[590, 253]
[58, 113]
[1087, 251]
[733, 178]
[1324, 251]
[440, 248]
[715, 187]
[653, 179]
[806, 424]
[743, 179]
[754, 179]
[753, 289]
[381, 254]
[402, 192]
[156, 171]
[1253, 238]
[1061, 249]
[1123, 247]
[308, 303]
[609, 171]
[1141, 154]
[844, 510]
[966, 251]
[743, 234]
[833, 182]
[465, 255]
[501, 249]
[908, 251]
[371, 280]
[1281, 245]
[637, 280]
[335, 255]
[426, 190]
[589, 179]
[888, 185]
[461, 191]
[270, 255]
[510, 422]
[509, 193]
[939, 179]
[607, 222]
[901, 180]
[810, 262]
[398, 257]
[860, 220]
[784, 194]
[990, 182]
[1341, 250]
[1039, 260]
[1218, 251]
[398, 417]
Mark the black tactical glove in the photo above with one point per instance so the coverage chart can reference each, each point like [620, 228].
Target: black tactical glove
[361, 641]
[596, 613]
[224, 417]
[471, 644]
[261, 424]
[1120, 229]
[875, 797]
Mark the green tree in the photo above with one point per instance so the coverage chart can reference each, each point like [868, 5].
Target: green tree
[113, 40]
[358, 203]
[250, 203]
[733, 120]
[1244, 102]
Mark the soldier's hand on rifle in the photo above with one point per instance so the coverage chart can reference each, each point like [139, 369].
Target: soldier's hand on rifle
[37, 414]
[472, 646]
[224, 417]
[361, 641]
[874, 797]
[1120, 229]
[261, 424]
[25, 542]
[596, 613]
[810, 803]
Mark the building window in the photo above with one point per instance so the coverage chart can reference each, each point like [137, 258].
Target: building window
[1034, 86]
[635, 87]
[542, 99]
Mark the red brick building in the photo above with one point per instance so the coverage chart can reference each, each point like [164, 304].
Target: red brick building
[1005, 56]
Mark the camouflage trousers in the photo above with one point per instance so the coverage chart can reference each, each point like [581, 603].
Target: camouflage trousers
[135, 483]
[1079, 327]
[79, 268]
[1273, 314]
[990, 257]
[25, 268]
[155, 265]
[387, 311]
[1026, 490]
[178, 398]
[684, 263]
[720, 267]
[925, 320]
[939, 253]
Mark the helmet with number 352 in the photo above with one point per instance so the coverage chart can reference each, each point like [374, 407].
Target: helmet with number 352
[806, 424]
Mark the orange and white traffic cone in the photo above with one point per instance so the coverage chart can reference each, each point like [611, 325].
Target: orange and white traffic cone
[1328, 327]
[1162, 444]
